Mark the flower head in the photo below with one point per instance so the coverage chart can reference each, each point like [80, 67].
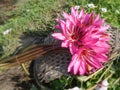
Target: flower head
[85, 36]
[91, 5]
[104, 10]
[7, 31]
[87, 60]
[103, 85]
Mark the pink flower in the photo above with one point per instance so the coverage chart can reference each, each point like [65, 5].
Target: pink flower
[78, 28]
[86, 38]
[86, 60]
[70, 28]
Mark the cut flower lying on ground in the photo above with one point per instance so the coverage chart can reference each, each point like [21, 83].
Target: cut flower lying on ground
[85, 36]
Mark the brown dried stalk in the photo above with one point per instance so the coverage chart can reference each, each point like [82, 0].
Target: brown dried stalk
[28, 56]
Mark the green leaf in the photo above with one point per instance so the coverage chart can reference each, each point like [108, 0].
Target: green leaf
[81, 78]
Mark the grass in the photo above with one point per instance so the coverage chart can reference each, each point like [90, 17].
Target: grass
[32, 17]
[37, 17]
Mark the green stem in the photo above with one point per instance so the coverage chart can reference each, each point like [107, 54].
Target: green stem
[25, 69]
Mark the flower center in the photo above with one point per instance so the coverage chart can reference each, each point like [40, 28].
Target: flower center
[74, 37]
[85, 52]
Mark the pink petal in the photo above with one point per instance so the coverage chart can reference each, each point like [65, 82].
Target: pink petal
[57, 26]
[71, 65]
[100, 49]
[101, 44]
[86, 19]
[63, 27]
[101, 57]
[97, 18]
[82, 68]
[81, 13]
[72, 19]
[76, 66]
[94, 63]
[103, 37]
[74, 12]
[100, 22]
[60, 20]
[91, 41]
[104, 28]
[65, 15]
[68, 26]
[72, 48]
[58, 36]
[65, 43]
